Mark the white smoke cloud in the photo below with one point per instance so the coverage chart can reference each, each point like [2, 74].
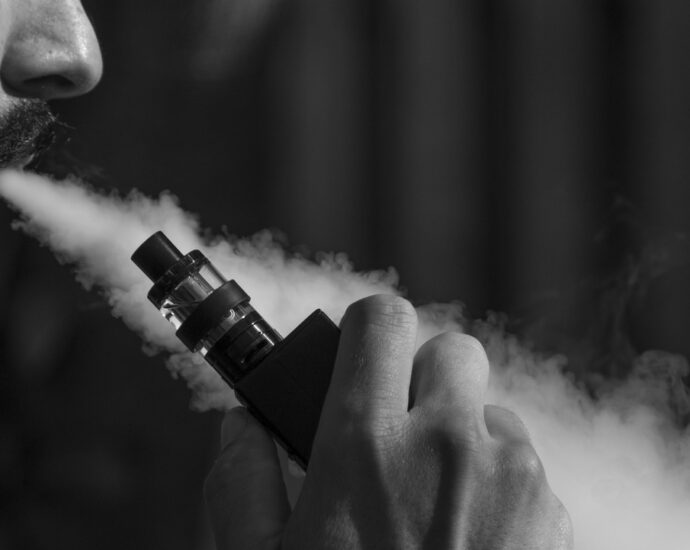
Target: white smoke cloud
[97, 234]
[618, 462]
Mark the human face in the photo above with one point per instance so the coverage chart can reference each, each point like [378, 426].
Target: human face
[48, 50]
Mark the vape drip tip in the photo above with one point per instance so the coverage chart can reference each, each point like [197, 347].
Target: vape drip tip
[211, 314]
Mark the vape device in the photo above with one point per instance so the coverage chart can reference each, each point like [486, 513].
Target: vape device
[282, 382]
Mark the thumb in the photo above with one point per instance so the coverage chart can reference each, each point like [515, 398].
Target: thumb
[245, 494]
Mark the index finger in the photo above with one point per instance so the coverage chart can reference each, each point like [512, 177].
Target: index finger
[371, 376]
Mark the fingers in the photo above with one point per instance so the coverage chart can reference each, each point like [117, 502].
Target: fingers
[505, 425]
[245, 495]
[450, 371]
[372, 369]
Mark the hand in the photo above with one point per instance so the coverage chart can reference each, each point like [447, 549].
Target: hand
[406, 456]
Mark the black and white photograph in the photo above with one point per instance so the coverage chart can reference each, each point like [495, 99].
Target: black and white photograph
[345, 275]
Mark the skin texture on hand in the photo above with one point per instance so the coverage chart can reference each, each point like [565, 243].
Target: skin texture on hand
[407, 456]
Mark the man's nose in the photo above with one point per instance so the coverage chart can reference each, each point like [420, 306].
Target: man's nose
[51, 51]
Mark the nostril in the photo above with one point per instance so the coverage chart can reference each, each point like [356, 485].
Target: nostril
[53, 54]
[50, 53]
[49, 85]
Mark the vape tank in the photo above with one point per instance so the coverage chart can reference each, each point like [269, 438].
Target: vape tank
[282, 382]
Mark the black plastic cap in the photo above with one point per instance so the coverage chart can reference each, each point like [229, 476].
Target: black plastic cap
[156, 255]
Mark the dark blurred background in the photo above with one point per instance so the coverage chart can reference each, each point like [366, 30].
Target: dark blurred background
[530, 157]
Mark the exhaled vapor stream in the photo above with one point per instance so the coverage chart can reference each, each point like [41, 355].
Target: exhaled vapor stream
[620, 464]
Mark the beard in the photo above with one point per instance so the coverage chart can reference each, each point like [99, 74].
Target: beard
[25, 131]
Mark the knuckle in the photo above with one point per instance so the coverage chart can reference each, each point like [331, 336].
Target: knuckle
[365, 439]
[564, 526]
[469, 346]
[366, 432]
[465, 346]
[386, 310]
[504, 423]
[349, 411]
[462, 352]
[456, 433]
[522, 463]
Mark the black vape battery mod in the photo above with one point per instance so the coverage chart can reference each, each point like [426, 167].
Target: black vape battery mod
[282, 382]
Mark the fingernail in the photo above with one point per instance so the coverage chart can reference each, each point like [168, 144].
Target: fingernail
[233, 425]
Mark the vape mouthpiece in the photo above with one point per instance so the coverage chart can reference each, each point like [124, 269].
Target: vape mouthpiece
[156, 255]
[211, 314]
[283, 383]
